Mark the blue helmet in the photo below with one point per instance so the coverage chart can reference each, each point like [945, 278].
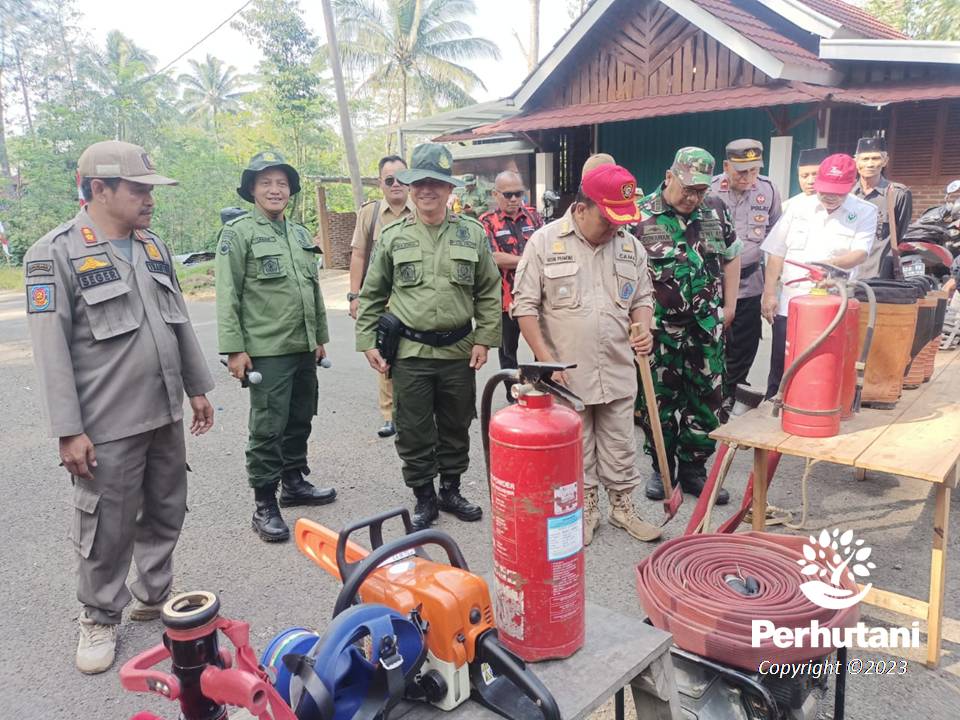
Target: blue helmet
[365, 658]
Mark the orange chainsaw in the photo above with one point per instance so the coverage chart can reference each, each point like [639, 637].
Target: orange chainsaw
[464, 656]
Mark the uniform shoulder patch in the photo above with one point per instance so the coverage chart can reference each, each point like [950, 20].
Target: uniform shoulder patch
[36, 268]
[41, 297]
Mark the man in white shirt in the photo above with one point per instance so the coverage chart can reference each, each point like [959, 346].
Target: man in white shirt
[831, 226]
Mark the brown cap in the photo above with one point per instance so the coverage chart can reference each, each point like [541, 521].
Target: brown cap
[116, 159]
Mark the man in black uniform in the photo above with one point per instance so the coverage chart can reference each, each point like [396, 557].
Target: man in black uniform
[873, 187]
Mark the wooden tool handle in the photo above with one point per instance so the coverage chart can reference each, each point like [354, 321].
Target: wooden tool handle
[646, 380]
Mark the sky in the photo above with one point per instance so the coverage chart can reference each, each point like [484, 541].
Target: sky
[169, 27]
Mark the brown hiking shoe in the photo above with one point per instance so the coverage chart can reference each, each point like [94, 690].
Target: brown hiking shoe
[145, 612]
[624, 516]
[591, 513]
[97, 646]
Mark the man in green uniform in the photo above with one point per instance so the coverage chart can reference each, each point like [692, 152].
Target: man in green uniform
[436, 270]
[473, 199]
[693, 256]
[271, 317]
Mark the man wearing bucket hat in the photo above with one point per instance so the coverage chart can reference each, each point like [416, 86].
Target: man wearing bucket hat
[831, 226]
[693, 254]
[115, 352]
[754, 205]
[580, 284]
[436, 270]
[271, 317]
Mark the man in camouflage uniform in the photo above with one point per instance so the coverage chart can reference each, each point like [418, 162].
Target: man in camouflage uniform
[754, 205]
[473, 199]
[436, 270]
[271, 317]
[693, 256]
[871, 159]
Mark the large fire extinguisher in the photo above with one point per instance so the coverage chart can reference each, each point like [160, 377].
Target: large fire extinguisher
[534, 458]
[823, 379]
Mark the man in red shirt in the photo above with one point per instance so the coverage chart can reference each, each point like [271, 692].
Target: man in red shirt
[508, 229]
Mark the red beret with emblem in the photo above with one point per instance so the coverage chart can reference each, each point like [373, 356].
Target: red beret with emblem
[613, 189]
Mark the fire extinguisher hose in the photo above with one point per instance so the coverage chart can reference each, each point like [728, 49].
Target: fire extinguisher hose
[486, 400]
[821, 338]
[867, 340]
[708, 589]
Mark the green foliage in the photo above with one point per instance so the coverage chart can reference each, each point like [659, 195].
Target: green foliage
[11, 278]
[413, 51]
[920, 19]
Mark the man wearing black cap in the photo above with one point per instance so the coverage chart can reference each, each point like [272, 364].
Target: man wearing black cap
[807, 165]
[871, 159]
[271, 317]
[754, 205]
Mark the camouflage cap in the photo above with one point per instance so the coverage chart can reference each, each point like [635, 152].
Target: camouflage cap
[262, 161]
[693, 166]
[430, 160]
[469, 179]
[117, 159]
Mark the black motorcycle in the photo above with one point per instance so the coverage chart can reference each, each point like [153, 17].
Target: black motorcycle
[939, 225]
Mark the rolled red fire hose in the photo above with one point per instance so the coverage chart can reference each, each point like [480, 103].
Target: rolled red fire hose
[687, 588]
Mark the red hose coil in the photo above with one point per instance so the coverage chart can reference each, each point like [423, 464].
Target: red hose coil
[682, 589]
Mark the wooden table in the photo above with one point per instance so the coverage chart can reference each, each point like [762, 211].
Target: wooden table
[918, 439]
[619, 651]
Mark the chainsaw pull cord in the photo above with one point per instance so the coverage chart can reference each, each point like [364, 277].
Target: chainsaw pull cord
[820, 339]
[867, 341]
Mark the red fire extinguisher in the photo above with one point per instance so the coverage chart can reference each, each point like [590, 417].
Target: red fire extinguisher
[535, 467]
[819, 384]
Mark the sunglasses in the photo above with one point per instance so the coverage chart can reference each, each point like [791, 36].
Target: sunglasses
[695, 193]
[389, 180]
[510, 195]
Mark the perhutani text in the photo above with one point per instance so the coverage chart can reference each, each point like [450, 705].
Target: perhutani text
[859, 636]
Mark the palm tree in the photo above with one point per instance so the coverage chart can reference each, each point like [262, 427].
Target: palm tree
[211, 89]
[416, 46]
[123, 74]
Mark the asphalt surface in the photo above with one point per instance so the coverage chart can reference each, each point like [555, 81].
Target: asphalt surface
[274, 587]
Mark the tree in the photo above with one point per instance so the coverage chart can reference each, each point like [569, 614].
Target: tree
[210, 90]
[414, 52]
[921, 19]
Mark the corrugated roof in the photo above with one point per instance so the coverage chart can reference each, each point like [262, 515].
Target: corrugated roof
[659, 105]
[748, 25]
[855, 19]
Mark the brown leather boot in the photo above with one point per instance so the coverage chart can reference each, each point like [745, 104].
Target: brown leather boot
[624, 516]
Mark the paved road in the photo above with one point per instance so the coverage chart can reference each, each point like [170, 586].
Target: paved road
[274, 587]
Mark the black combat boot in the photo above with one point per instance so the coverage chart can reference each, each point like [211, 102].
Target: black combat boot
[693, 476]
[297, 491]
[425, 513]
[453, 502]
[654, 488]
[267, 521]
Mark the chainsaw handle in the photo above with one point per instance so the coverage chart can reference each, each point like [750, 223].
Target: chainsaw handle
[138, 674]
[505, 663]
[375, 524]
[363, 569]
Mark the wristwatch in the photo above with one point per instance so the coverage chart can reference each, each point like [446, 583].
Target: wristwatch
[351, 296]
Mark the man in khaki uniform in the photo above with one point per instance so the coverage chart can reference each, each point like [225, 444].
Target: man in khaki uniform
[581, 283]
[115, 352]
[372, 218]
[436, 271]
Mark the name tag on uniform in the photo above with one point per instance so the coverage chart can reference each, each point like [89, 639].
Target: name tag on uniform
[554, 259]
[93, 270]
[158, 267]
[501, 233]
[264, 239]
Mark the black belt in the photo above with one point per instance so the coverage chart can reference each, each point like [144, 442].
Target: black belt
[435, 338]
[748, 270]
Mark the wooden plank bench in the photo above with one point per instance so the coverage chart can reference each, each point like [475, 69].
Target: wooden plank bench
[919, 439]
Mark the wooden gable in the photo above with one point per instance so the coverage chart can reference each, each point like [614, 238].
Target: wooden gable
[652, 51]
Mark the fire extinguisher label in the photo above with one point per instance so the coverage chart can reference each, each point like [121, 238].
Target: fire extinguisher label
[509, 608]
[564, 535]
[565, 499]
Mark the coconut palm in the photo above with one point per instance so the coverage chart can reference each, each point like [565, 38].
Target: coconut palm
[413, 50]
[211, 89]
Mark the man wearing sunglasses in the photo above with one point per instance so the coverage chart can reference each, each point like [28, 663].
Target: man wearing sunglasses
[372, 218]
[435, 269]
[694, 259]
[508, 229]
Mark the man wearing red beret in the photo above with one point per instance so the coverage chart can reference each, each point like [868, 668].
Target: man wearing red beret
[580, 284]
